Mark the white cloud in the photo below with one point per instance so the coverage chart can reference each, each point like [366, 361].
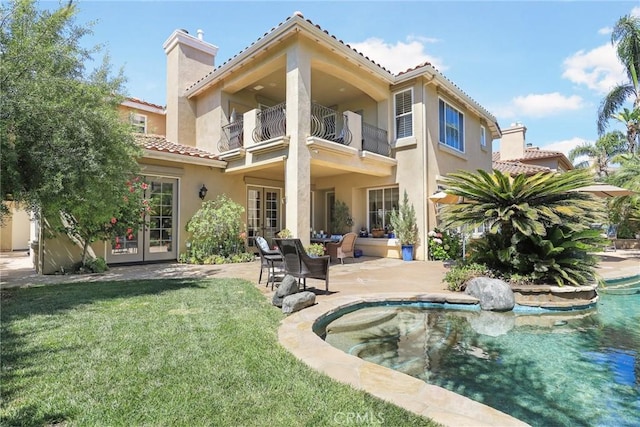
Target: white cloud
[599, 69]
[605, 30]
[400, 56]
[635, 11]
[566, 145]
[538, 105]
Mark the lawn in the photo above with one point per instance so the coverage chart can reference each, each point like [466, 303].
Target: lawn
[164, 352]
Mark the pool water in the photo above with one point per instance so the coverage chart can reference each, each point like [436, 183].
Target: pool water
[579, 368]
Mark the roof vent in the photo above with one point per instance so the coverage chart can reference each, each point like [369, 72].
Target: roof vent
[200, 34]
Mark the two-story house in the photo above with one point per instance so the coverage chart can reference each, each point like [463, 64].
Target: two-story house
[290, 125]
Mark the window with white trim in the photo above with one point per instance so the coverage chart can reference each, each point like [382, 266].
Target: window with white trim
[404, 113]
[381, 202]
[451, 126]
[138, 122]
[483, 136]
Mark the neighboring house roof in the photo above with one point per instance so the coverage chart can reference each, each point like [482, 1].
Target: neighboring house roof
[531, 155]
[298, 20]
[515, 168]
[160, 143]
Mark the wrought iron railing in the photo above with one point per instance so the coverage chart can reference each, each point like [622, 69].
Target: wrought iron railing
[232, 135]
[375, 140]
[271, 123]
[330, 125]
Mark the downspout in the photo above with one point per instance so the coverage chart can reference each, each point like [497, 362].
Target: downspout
[41, 243]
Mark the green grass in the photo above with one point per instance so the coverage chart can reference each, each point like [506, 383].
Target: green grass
[164, 353]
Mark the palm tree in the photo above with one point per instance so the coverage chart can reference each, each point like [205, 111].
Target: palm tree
[626, 34]
[631, 120]
[539, 226]
[600, 153]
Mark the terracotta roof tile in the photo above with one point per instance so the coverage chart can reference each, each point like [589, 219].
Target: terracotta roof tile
[516, 168]
[531, 154]
[160, 143]
[140, 101]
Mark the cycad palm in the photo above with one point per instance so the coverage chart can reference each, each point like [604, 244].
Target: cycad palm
[537, 224]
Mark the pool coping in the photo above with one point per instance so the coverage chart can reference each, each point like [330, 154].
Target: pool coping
[441, 405]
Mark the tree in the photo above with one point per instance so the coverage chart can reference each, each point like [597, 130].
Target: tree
[64, 148]
[404, 222]
[600, 153]
[538, 226]
[626, 36]
[625, 211]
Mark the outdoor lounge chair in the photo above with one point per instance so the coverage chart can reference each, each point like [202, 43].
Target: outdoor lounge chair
[269, 258]
[299, 264]
[342, 249]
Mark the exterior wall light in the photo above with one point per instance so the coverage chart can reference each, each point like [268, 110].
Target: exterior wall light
[203, 192]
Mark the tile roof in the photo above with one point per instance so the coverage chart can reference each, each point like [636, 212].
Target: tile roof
[140, 101]
[299, 14]
[532, 154]
[516, 168]
[160, 143]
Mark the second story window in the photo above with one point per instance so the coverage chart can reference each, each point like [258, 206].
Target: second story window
[404, 113]
[451, 126]
[483, 136]
[138, 123]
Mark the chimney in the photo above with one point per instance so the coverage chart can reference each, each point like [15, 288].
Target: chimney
[189, 59]
[512, 143]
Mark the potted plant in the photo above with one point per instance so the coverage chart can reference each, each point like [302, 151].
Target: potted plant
[377, 231]
[405, 227]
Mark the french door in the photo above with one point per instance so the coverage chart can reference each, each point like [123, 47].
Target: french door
[157, 241]
[263, 213]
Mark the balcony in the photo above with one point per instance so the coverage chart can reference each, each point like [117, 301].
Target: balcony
[269, 132]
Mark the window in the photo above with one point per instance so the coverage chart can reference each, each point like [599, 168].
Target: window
[382, 201]
[404, 113]
[451, 126]
[483, 136]
[138, 122]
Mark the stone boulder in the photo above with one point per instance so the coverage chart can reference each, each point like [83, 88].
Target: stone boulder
[493, 294]
[289, 286]
[297, 302]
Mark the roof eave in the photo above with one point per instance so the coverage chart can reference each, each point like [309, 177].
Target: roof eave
[181, 158]
[291, 26]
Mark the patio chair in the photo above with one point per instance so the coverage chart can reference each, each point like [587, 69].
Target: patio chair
[269, 258]
[612, 235]
[343, 248]
[299, 264]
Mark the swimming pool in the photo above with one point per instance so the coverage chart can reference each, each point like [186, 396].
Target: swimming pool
[561, 368]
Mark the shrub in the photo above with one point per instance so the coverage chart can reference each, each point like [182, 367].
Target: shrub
[445, 244]
[457, 277]
[216, 231]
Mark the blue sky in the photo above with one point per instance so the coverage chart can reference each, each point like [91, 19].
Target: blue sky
[546, 64]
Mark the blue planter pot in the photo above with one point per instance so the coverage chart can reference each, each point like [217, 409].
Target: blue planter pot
[407, 252]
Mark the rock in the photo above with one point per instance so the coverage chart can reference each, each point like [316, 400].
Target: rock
[297, 302]
[493, 294]
[289, 286]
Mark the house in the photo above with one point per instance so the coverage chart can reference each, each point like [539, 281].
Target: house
[287, 127]
[516, 156]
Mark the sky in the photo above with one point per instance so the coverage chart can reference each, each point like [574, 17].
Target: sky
[545, 64]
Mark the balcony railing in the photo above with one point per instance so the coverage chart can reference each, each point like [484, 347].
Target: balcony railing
[231, 136]
[271, 123]
[329, 124]
[375, 140]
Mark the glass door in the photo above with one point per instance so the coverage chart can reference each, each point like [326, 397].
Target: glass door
[159, 235]
[263, 213]
[156, 241]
